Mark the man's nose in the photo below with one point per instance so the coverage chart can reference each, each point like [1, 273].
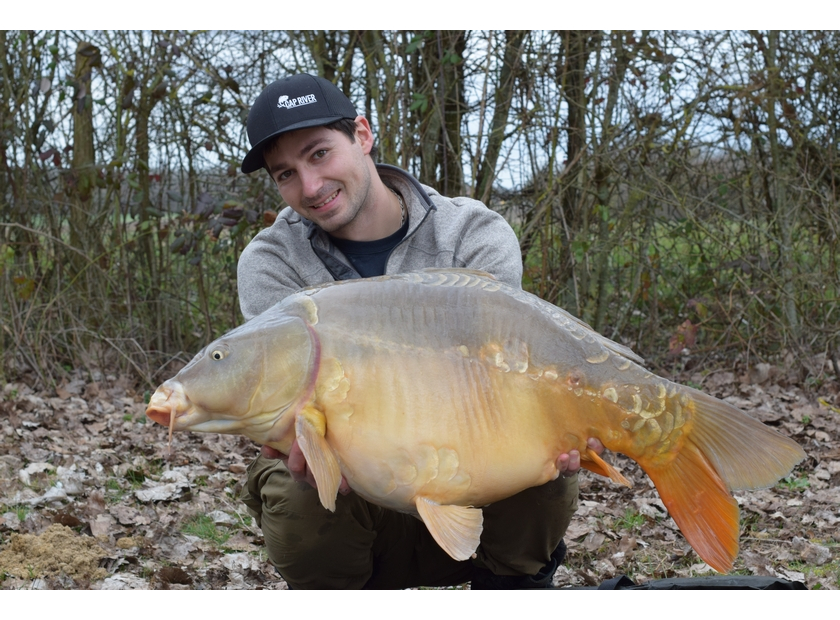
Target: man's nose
[311, 183]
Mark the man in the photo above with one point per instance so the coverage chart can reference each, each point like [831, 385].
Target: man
[347, 218]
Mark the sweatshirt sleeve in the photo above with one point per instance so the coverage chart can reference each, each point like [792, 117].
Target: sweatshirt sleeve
[263, 276]
[489, 244]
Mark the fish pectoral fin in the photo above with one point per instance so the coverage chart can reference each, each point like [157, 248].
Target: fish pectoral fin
[311, 430]
[456, 529]
[594, 463]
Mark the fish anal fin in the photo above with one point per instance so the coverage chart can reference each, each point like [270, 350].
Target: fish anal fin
[701, 504]
[457, 529]
[311, 428]
[590, 460]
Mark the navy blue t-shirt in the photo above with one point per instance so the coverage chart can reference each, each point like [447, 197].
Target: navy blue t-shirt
[369, 257]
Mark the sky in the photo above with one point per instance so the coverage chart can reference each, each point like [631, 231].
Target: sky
[653, 14]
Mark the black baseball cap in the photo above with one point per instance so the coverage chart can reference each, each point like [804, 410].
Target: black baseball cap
[291, 103]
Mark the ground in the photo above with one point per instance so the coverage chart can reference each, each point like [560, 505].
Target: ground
[92, 497]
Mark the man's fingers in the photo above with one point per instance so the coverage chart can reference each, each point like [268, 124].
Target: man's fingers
[574, 462]
[270, 453]
[296, 463]
[595, 445]
[568, 463]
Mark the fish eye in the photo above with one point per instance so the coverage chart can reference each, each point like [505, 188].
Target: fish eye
[218, 354]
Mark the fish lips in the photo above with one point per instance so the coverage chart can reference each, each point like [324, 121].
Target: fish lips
[190, 420]
[170, 400]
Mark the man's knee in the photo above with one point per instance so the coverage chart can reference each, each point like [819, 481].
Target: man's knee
[310, 546]
[521, 532]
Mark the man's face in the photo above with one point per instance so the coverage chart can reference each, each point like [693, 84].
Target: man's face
[322, 175]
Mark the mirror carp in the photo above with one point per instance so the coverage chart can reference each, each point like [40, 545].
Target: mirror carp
[441, 391]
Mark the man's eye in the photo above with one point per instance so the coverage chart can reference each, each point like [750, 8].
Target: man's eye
[320, 153]
[284, 175]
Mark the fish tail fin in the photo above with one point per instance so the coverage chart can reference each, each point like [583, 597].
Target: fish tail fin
[722, 450]
[746, 453]
[701, 504]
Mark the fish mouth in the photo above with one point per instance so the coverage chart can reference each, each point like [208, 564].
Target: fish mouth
[167, 404]
[171, 407]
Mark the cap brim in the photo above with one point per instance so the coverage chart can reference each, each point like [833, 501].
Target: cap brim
[253, 161]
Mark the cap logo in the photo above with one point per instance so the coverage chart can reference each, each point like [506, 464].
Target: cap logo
[286, 102]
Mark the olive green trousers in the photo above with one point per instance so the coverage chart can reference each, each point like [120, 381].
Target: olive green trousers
[362, 545]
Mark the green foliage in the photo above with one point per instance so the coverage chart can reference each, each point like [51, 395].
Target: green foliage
[631, 520]
[20, 510]
[204, 527]
[649, 185]
[795, 483]
[114, 491]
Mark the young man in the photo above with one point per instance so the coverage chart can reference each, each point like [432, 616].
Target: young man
[347, 218]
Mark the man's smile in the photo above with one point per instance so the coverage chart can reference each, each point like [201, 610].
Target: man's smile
[329, 198]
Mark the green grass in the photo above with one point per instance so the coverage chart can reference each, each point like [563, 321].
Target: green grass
[830, 569]
[792, 483]
[630, 521]
[114, 492]
[20, 510]
[204, 527]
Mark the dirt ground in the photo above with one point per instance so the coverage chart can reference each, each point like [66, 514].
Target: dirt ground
[92, 498]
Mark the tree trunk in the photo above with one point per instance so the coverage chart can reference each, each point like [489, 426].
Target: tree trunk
[84, 160]
[502, 99]
[783, 208]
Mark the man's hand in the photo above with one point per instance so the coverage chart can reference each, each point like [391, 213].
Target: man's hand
[298, 468]
[568, 463]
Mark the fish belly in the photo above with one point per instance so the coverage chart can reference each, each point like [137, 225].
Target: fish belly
[427, 394]
[448, 429]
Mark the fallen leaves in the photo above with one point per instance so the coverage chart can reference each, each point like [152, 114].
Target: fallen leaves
[81, 466]
[789, 531]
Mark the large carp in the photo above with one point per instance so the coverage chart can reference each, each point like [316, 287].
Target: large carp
[438, 392]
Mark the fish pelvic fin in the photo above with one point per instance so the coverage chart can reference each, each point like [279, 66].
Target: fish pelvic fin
[456, 529]
[590, 460]
[311, 429]
[723, 449]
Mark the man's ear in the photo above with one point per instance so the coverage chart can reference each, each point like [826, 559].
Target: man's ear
[364, 134]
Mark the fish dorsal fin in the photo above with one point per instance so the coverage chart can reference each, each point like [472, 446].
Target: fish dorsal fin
[594, 463]
[459, 271]
[311, 430]
[455, 528]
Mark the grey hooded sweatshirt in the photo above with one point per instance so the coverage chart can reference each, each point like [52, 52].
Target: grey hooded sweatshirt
[443, 232]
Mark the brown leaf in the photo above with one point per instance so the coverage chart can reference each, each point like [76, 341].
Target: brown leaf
[684, 338]
[173, 574]
[593, 541]
[627, 543]
[101, 525]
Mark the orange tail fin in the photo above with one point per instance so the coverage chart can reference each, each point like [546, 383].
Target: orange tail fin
[723, 450]
[701, 505]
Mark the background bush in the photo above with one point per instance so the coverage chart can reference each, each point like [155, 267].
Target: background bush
[676, 190]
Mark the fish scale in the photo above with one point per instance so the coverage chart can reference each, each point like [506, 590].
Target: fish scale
[437, 392]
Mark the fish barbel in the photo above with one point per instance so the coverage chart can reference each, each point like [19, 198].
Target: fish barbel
[438, 392]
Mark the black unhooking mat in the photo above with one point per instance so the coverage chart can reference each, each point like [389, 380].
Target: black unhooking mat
[721, 582]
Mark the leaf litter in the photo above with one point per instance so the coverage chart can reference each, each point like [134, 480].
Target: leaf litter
[92, 497]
